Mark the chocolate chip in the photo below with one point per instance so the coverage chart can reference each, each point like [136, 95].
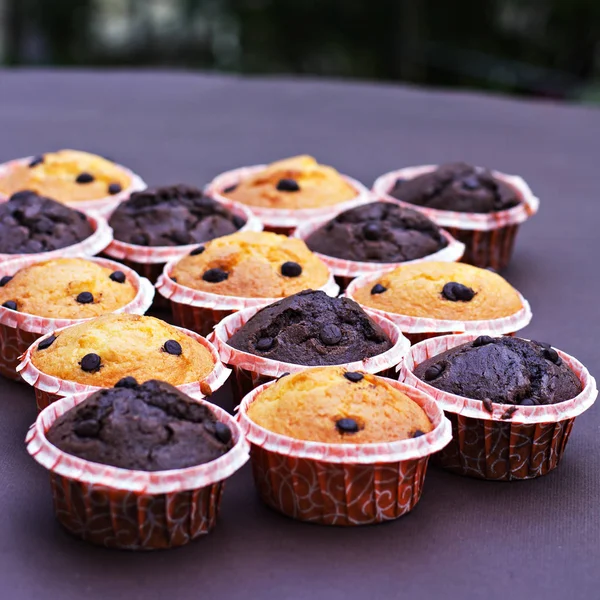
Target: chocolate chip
[434, 371]
[471, 183]
[5, 280]
[552, 355]
[88, 428]
[90, 363]
[127, 382]
[528, 402]
[215, 275]
[139, 239]
[238, 222]
[264, 344]
[85, 298]
[288, 185]
[283, 375]
[230, 188]
[10, 304]
[222, 432]
[353, 376]
[46, 343]
[482, 340]
[346, 425]
[37, 160]
[488, 405]
[418, 433]
[198, 250]
[378, 289]
[114, 188]
[172, 347]
[291, 269]
[117, 276]
[330, 334]
[509, 412]
[372, 231]
[84, 178]
[457, 291]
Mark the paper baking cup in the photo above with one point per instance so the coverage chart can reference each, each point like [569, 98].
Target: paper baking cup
[19, 330]
[250, 370]
[500, 445]
[49, 389]
[489, 237]
[417, 329]
[101, 206]
[200, 311]
[133, 510]
[285, 220]
[347, 270]
[94, 244]
[342, 484]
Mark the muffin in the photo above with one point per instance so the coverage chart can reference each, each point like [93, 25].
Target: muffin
[511, 402]
[137, 467]
[341, 447]
[67, 288]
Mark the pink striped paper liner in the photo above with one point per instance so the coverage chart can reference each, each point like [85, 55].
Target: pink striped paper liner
[500, 444]
[134, 510]
[49, 388]
[424, 325]
[94, 244]
[101, 206]
[284, 219]
[342, 484]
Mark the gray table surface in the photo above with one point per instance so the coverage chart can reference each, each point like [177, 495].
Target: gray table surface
[466, 538]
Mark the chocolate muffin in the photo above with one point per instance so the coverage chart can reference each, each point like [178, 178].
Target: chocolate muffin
[148, 427]
[504, 369]
[172, 216]
[457, 187]
[378, 232]
[30, 223]
[311, 328]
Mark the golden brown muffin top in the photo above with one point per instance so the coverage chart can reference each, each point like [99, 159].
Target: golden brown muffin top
[293, 183]
[441, 290]
[252, 264]
[67, 176]
[334, 406]
[102, 351]
[67, 288]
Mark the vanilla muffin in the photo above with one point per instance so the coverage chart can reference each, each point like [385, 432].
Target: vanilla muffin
[67, 176]
[251, 264]
[293, 183]
[102, 351]
[333, 406]
[441, 290]
[66, 288]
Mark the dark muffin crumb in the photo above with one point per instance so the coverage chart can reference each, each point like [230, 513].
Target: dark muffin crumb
[30, 223]
[378, 232]
[172, 216]
[148, 427]
[311, 328]
[506, 370]
[459, 187]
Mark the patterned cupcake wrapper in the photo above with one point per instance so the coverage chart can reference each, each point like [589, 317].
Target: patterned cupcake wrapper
[49, 389]
[342, 484]
[420, 328]
[94, 244]
[283, 220]
[100, 206]
[508, 442]
[489, 238]
[251, 371]
[133, 510]
[19, 330]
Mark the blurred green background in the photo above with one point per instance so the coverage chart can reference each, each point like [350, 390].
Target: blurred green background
[548, 48]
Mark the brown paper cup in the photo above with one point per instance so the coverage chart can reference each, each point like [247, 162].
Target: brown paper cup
[500, 445]
[133, 510]
[19, 330]
[49, 389]
[342, 484]
[488, 237]
[250, 370]
[417, 329]
[100, 206]
[282, 220]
